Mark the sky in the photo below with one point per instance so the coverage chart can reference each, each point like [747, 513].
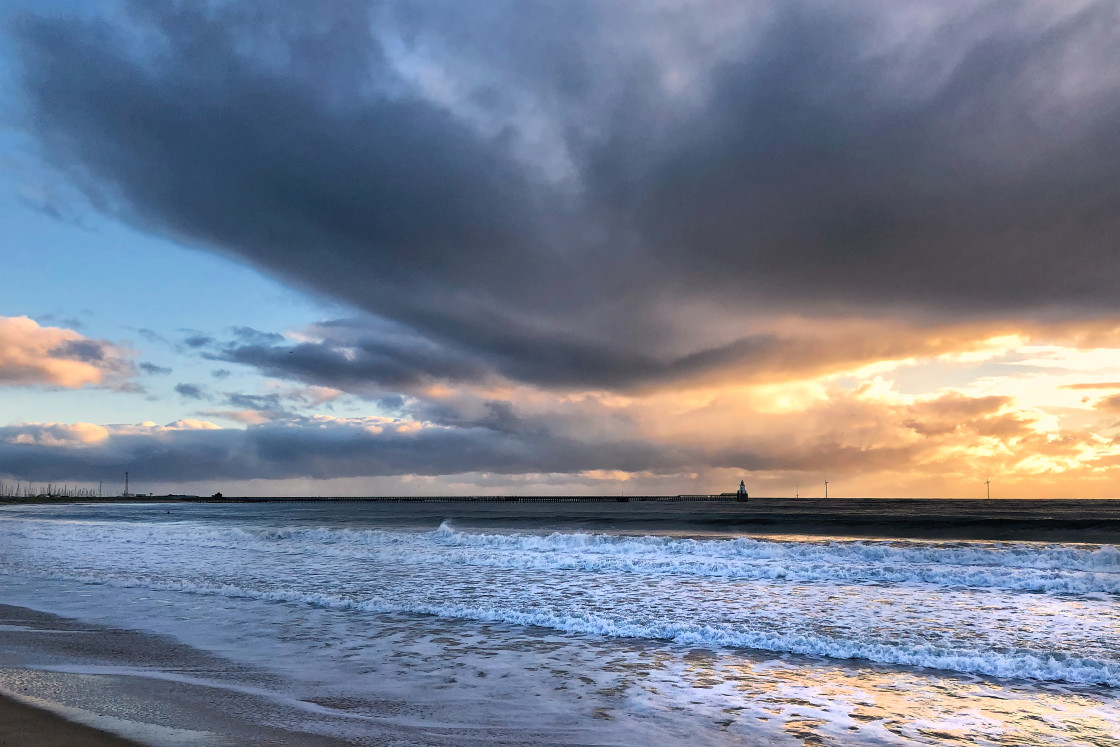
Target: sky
[418, 248]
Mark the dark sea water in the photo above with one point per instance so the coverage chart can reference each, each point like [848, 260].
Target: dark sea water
[770, 622]
[1057, 520]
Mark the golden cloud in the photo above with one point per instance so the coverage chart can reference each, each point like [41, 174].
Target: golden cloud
[31, 355]
[56, 434]
[1109, 404]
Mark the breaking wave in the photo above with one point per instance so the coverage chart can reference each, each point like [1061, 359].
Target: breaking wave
[1033, 567]
[701, 582]
[1020, 664]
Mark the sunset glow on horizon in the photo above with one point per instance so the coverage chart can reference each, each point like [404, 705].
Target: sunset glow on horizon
[408, 250]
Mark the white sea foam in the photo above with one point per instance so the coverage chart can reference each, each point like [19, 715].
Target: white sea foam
[1022, 664]
[964, 610]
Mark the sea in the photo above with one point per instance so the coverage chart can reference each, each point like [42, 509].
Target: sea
[776, 621]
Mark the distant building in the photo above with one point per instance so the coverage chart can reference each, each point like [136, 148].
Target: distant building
[742, 494]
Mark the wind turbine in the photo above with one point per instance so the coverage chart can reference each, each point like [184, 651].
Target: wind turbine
[988, 485]
[826, 490]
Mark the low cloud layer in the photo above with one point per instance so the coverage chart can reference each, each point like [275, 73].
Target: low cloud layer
[315, 447]
[532, 191]
[950, 441]
[31, 355]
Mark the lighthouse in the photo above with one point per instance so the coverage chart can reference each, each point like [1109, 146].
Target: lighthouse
[742, 494]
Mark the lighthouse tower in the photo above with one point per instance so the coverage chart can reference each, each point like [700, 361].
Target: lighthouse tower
[742, 494]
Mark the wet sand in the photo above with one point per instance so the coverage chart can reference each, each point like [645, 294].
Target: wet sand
[155, 690]
[149, 688]
[21, 725]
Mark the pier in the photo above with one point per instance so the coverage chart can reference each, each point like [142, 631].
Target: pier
[475, 499]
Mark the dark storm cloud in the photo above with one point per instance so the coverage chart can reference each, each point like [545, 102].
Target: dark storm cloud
[367, 366]
[364, 357]
[808, 158]
[812, 172]
[396, 365]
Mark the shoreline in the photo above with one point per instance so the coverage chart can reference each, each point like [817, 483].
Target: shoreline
[24, 724]
[65, 680]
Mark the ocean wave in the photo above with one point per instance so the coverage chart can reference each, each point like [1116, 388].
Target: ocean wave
[1006, 663]
[1018, 555]
[1032, 567]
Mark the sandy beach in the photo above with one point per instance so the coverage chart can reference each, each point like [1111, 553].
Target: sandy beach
[20, 725]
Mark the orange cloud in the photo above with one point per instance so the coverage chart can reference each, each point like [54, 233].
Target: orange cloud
[91, 434]
[56, 434]
[868, 436]
[31, 355]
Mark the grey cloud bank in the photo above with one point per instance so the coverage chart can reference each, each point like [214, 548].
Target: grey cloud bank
[310, 449]
[530, 191]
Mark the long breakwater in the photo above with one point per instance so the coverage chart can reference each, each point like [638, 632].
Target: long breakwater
[467, 499]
